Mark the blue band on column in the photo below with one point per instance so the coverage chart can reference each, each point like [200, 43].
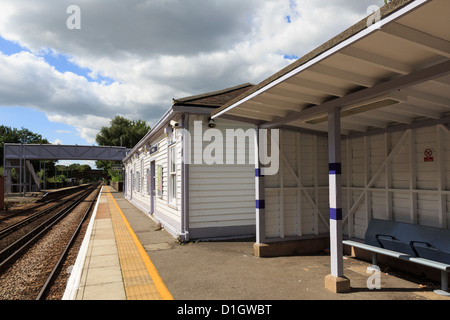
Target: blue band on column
[258, 173]
[335, 168]
[260, 204]
[335, 214]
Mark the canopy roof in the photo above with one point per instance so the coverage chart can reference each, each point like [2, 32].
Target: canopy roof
[384, 77]
[213, 99]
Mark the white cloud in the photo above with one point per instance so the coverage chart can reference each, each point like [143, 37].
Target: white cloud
[87, 125]
[155, 50]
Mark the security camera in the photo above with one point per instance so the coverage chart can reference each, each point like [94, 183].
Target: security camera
[174, 124]
[211, 123]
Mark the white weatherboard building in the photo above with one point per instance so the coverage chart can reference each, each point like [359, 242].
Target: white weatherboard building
[364, 123]
[363, 130]
[174, 176]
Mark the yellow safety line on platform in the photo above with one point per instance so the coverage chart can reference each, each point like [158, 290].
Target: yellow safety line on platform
[151, 269]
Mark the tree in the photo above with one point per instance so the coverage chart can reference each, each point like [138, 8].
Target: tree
[121, 132]
[13, 135]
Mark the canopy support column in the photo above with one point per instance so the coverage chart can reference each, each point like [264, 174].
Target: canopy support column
[259, 188]
[335, 281]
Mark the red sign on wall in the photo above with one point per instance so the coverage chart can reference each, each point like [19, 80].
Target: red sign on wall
[428, 155]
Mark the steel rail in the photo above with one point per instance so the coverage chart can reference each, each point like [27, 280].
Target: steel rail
[41, 204]
[69, 245]
[4, 232]
[23, 243]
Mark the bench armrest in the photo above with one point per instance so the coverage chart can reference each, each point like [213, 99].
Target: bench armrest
[411, 244]
[377, 236]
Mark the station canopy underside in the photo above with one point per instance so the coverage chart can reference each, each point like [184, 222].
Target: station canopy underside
[14, 152]
[392, 76]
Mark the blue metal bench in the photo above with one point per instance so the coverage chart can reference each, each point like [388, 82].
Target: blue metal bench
[423, 245]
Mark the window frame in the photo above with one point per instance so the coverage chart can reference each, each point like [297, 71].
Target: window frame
[172, 175]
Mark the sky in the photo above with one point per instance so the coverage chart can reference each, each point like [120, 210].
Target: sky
[65, 72]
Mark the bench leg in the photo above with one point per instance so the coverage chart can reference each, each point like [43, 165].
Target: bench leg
[444, 285]
[374, 259]
[374, 267]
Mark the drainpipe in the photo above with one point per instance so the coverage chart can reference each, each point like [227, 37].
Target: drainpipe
[185, 178]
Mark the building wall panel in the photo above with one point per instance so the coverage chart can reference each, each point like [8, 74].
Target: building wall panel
[295, 195]
[385, 176]
[222, 195]
[410, 188]
[168, 213]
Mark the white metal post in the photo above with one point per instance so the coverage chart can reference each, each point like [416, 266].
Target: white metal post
[335, 173]
[259, 190]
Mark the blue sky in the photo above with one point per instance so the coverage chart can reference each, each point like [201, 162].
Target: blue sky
[37, 121]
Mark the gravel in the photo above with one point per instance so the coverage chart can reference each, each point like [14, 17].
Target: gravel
[24, 279]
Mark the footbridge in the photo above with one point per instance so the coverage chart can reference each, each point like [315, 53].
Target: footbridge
[19, 156]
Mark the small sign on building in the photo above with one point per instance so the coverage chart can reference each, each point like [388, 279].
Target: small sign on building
[154, 149]
[429, 155]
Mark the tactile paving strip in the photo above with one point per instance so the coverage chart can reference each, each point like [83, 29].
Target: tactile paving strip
[141, 279]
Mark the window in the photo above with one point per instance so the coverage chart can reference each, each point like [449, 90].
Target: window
[172, 175]
[148, 181]
[130, 181]
[138, 181]
[160, 181]
[142, 177]
[135, 187]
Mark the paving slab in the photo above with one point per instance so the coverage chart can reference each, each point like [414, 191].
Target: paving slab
[228, 270]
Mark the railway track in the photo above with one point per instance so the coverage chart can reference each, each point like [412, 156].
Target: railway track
[33, 250]
[20, 221]
[8, 218]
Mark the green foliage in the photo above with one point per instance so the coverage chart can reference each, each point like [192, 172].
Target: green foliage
[121, 132]
[13, 135]
[58, 179]
[74, 167]
[115, 175]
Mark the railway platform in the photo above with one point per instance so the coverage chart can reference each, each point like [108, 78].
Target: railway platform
[125, 256]
[112, 264]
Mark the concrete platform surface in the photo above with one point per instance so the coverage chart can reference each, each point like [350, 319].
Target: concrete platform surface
[220, 270]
